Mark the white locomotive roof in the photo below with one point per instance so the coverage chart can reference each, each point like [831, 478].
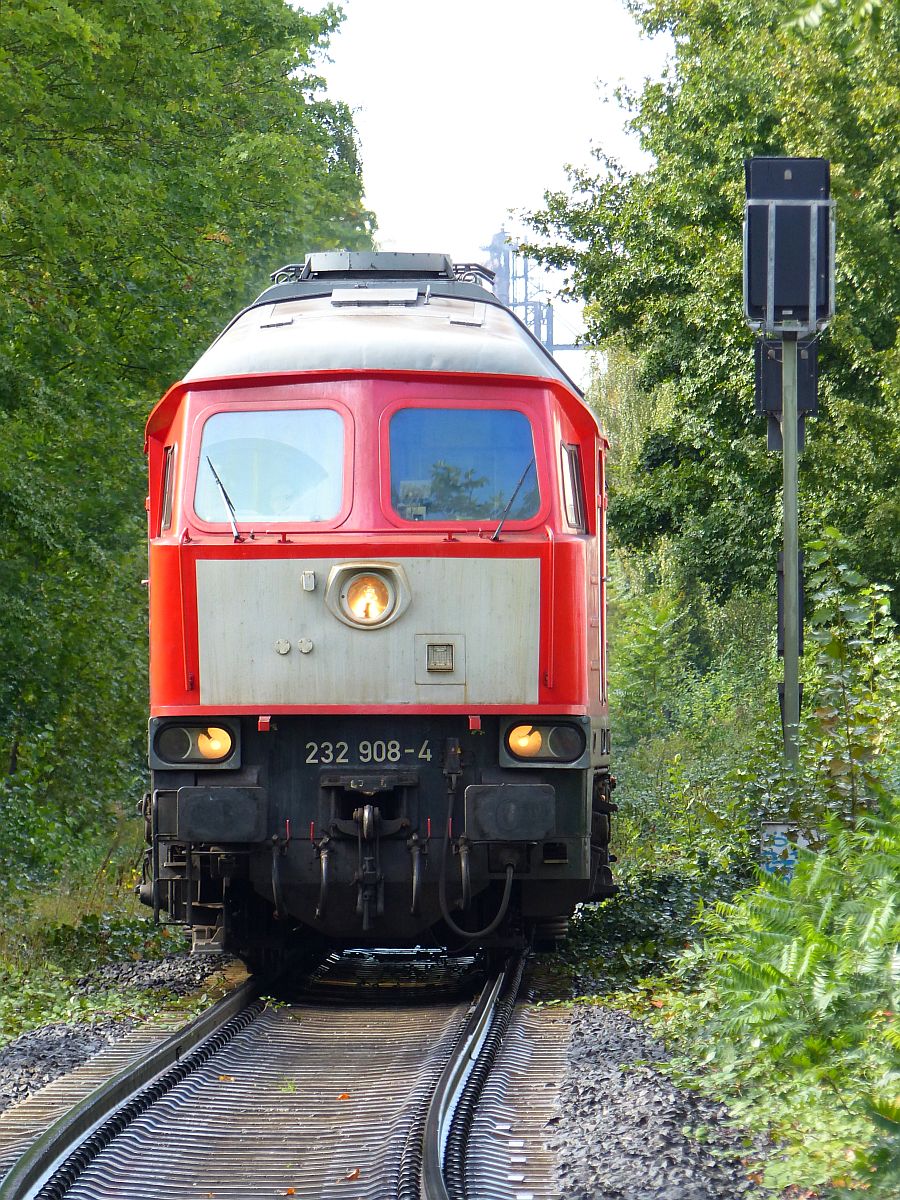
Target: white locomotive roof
[396, 325]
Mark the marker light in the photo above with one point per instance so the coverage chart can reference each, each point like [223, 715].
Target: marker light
[557, 743]
[174, 743]
[566, 742]
[367, 598]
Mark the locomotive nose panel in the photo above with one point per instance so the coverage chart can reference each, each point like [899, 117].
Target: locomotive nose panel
[266, 639]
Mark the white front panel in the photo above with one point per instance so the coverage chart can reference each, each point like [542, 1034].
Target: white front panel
[249, 611]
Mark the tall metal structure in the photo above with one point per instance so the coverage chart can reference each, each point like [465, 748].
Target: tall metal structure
[518, 284]
[788, 295]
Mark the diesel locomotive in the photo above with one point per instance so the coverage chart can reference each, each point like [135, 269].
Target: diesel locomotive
[377, 622]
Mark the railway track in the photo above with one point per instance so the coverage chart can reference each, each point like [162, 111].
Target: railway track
[347, 1091]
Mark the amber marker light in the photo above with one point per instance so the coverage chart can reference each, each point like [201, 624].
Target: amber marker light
[368, 599]
[524, 741]
[214, 743]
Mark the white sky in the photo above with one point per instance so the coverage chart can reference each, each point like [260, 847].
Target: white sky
[470, 109]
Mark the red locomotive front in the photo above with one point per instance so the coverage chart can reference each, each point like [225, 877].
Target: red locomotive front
[376, 622]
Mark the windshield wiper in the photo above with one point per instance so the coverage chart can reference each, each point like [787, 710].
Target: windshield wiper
[495, 536]
[232, 515]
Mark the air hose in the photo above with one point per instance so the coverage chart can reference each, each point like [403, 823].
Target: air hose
[471, 934]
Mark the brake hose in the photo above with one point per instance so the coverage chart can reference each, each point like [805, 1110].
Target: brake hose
[471, 934]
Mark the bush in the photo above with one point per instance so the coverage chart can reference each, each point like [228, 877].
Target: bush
[800, 987]
[795, 983]
[795, 988]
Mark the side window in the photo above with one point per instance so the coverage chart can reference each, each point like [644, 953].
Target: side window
[168, 488]
[573, 493]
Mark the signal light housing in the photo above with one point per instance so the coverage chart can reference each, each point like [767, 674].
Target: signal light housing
[206, 744]
[562, 743]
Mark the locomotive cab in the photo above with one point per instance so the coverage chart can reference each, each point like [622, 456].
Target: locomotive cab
[378, 700]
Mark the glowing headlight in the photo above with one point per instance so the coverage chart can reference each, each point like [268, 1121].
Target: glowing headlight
[214, 743]
[524, 741]
[367, 595]
[557, 743]
[193, 744]
[367, 598]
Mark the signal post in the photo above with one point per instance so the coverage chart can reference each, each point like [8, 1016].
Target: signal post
[789, 236]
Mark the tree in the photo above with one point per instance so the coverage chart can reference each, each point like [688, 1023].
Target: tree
[657, 256]
[158, 161]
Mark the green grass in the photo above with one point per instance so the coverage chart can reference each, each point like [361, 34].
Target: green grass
[50, 937]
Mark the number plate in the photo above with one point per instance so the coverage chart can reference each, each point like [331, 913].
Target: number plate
[365, 752]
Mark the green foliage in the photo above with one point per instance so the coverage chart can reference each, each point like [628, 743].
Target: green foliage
[858, 668]
[108, 936]
[797, 1004]
[863, 13]
[49, 940]
[791, 992]
[617, 945]
[692, 700]
[34, 997]
[54, 939]
[656, 254]
[158, 160]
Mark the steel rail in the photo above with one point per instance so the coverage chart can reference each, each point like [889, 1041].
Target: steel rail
[457, 1143]
[56, 1153]
[469, 1058]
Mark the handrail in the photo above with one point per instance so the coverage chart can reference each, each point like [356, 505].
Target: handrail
[551, 611]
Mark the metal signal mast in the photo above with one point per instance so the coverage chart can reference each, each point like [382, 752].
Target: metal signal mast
[789, 240]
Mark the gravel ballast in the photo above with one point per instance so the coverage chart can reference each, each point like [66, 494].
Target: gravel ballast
[36, 1058]
[626, 1132]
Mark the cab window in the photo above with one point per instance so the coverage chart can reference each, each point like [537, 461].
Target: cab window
[459, 464]
[285, 465]
[573, 495]
[168, 488]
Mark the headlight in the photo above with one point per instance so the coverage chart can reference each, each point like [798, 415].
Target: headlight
[368, 598]
[214, 743]
[367, 595]
[559, 743]
[524, 741]
[176, 744]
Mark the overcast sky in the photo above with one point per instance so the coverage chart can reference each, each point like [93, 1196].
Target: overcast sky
[470, 109]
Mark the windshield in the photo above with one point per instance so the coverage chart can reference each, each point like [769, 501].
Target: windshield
[274, 466]
[457, 464]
